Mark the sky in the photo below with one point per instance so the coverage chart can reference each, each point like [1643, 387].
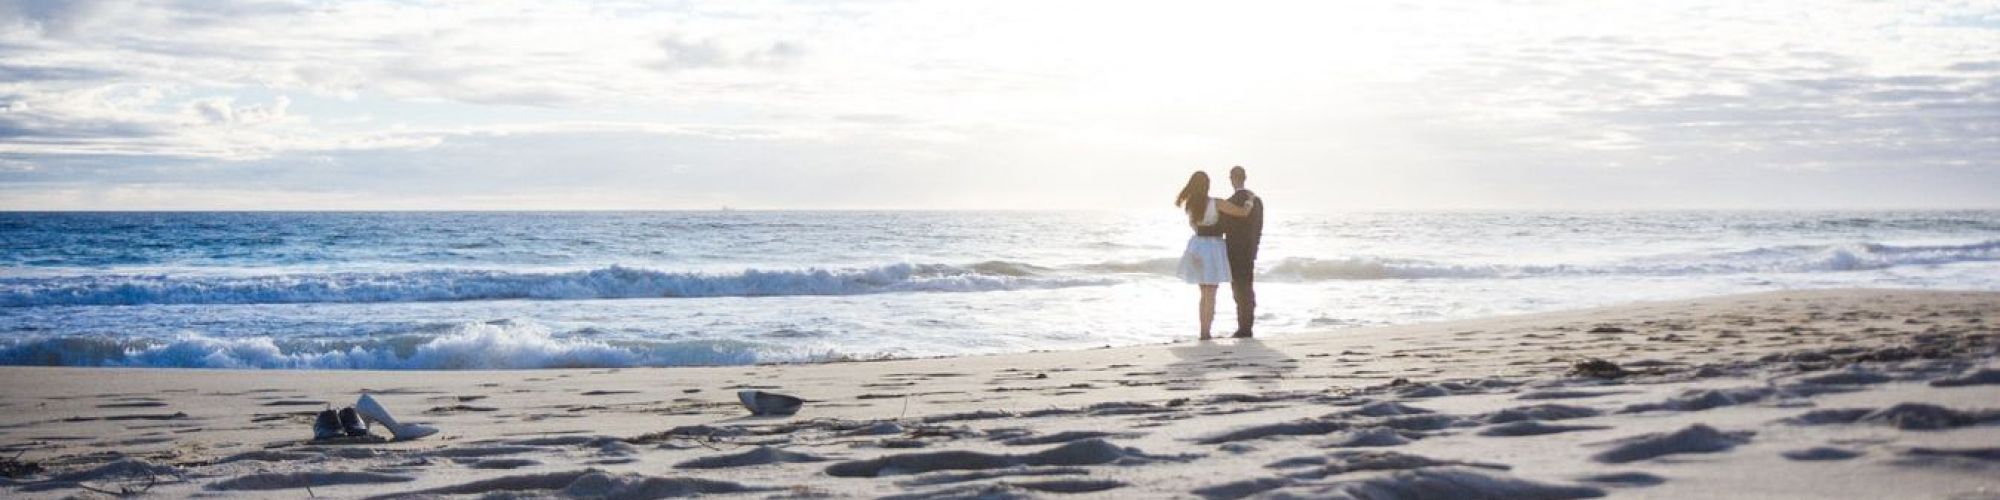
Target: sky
[1022, 104]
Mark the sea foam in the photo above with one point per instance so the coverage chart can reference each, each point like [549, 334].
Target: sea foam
[620, 282]
[470, 346]
[1774, 259]
[615, 282]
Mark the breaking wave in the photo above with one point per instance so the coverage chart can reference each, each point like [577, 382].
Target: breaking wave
[472, 346]
[614, 282]
[1776, 259]
[618, 282]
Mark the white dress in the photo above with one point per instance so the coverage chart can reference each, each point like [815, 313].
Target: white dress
[1206, 260]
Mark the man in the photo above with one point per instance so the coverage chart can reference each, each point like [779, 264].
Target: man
[1241, 235]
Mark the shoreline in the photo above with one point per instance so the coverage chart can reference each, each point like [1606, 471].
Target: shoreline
[221, 431]
[845, 359]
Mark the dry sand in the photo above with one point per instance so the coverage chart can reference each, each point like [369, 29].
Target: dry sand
[1849, 393]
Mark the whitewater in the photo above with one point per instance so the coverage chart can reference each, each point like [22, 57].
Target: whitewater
[498, 290]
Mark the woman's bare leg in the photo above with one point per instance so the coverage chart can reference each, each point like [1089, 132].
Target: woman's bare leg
[1207, 309]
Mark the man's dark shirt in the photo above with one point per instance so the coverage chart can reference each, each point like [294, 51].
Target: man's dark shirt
[1244, 232]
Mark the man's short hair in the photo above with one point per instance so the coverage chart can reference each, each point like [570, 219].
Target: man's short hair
[1236, 173]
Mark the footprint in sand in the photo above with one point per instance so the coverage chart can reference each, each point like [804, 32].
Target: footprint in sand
[762, 455]
[1410, 476]
[1085, 452]
[1696, 438]
[591, 483]
[1625, 479]
[1534, 428]
[292, 480]
[1905, 416]
[134, 404]
[1065, 437]
[295, 402]
[1820, 453]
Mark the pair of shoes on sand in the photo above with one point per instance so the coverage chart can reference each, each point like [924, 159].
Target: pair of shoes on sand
[353, 422]
[331, 424]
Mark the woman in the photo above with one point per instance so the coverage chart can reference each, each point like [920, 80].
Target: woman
[1206, 261]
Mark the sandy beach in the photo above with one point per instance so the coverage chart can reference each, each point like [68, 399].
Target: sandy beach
[1836, 393]
[302, 249]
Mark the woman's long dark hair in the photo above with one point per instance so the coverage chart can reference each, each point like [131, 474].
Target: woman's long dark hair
[1194, 197]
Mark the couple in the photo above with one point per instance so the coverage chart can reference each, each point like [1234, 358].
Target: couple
[1210, 259]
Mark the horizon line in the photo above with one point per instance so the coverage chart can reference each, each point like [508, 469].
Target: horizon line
[1015, 210]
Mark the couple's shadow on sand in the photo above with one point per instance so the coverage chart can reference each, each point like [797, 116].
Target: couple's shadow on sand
[1248, 360]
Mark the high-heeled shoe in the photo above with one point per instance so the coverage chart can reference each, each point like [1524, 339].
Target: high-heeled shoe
[326, 426]
[371, 411]
[352, 424]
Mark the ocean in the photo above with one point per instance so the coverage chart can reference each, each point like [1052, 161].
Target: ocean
[522, 290]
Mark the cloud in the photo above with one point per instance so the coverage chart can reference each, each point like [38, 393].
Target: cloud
[1783, 105]
[1975, 66]
[603, 165]
[682, 54]
[530, 53]
[982, 103]
[51, 17]
[223, 111]
[19, 73]
[167, 79]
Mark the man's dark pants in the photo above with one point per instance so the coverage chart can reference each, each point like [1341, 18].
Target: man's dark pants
[1242, 268]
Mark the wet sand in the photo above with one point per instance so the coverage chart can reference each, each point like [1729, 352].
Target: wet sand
[1838, 393]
